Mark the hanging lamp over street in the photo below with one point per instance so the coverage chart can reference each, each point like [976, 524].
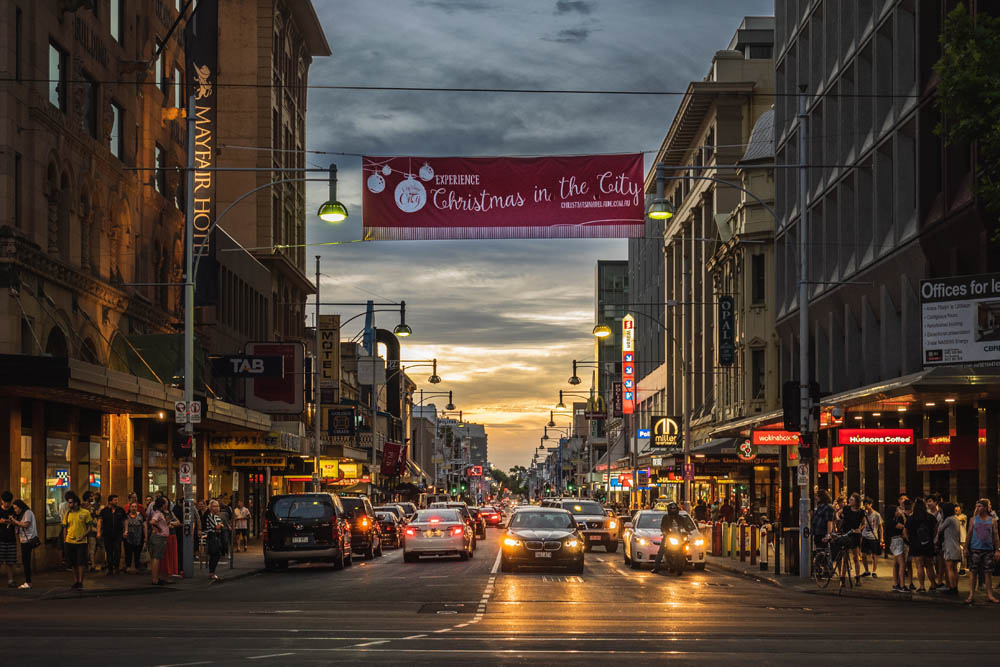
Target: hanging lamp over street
[332, 211]
[660, 209]
[403, 330]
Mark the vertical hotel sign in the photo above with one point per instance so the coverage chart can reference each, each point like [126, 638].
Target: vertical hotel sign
[628, 365]
[201, 52]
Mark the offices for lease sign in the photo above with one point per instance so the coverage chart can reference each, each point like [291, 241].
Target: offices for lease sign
[961, 320]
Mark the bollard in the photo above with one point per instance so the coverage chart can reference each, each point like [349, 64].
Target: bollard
[717, 539]
[724, 542]
[763, 549]
[743, 542]
[753, 546]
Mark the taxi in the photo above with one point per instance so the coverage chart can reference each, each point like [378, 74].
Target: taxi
[641, 539]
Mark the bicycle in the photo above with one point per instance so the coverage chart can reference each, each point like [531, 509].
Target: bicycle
[842, 561]
[822, 566]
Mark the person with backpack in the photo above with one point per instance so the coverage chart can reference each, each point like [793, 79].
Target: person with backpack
[821, 525]
[983, 547]
[920, 531]
[872, 537]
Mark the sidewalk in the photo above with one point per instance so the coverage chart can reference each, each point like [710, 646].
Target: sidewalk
[873, 589]
[55, 584]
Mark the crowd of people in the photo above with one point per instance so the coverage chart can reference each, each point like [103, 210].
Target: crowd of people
[929, 540]
[95, 534]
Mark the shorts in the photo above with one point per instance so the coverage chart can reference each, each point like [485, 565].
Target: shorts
[871, 546]
[76, 554]
[981, 562]
[8, 553]
[157, 546]
[245, 532]
[897, 546]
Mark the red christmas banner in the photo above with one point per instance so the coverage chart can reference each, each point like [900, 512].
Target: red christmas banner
[411, 198]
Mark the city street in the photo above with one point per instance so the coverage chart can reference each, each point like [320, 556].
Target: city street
[387, 612]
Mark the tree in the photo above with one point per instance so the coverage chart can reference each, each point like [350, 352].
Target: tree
[969, 95]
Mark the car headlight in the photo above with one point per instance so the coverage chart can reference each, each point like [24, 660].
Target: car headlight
[674, 541]
[572, 544]
[612, 524]
[511, 542]
[643, 541]
[699, 542]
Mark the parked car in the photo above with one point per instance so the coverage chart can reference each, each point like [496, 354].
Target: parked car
[306, 527]
[392, 528]
[542, 536]
[365, 531]
[478, 521]
[440, 531]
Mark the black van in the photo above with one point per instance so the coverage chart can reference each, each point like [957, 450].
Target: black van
[306, 527]
[366, 533]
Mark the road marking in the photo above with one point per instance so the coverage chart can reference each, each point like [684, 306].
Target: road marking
[496, 563]
[383, 641]
[461, 625]
[269, 655]
[184, 664]
[414, 637]
[443, 630]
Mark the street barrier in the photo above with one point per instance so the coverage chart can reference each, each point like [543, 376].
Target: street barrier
[717, 539]
[743, 543]
[763, 549]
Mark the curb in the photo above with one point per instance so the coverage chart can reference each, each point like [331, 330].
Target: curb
[761, 576]
[139, 590]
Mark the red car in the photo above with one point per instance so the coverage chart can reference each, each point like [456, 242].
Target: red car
[392, 530]
[494, 517]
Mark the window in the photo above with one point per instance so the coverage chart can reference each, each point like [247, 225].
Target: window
[160, 175]
[57, 77]
[116, 142]
[18, 185]
[57, 482]
[89, 111]
[757, 374]
[161, 74]
[116, 21]
[759, 278]
[178, 88]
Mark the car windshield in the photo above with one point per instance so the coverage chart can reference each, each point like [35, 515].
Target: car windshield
[584, 507]
[651, 521]
[352, 504]
[302, 508]
[385, 516]
[393, 510]
[542, 520]
[442, 515]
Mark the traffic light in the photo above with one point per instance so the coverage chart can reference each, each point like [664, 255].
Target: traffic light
[569, 486]
[790, 405]
[805, 448]
[183, 446]
[464, 486]
[454, 490]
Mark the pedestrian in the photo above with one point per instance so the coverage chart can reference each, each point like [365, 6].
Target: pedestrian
[872, 537]
[88, 504]
[950, 534]
[77, 525]
[821, 524]
[27, 535]
[111, 530]
[962, 522]
[726, 512]
[983, 545]
[933, 501]
[893, 534]
[852, 517]
[907, 505]
[8, 537]
[215, 525]
[134, 537]
[920, 532]
[159, 531]
[241, 519]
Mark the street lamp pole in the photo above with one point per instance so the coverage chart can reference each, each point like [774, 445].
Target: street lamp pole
[187, 549]
[318, 397]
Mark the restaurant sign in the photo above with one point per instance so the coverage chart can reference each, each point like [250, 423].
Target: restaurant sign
[769, 437]
[875, 436]
[959, 452]
[259, 461]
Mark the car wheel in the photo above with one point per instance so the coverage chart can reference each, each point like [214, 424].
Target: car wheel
[270, 565]
[379, 552]
[338, 561]
[409, 558]
[628, 561]
[699, 566]
[505, 565]
[464, 555]
[348, 557]
[471, 554]
[611, 547]
[370, 551]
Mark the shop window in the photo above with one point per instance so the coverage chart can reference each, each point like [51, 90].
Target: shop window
[57, 77]
[156, 476]
[57, 483]
[94, 469]
[757, 374]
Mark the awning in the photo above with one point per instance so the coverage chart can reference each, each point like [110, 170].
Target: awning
[737, 426]
[717, 446]
[967, 382]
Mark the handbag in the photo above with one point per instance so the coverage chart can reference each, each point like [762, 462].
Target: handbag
[34, 542]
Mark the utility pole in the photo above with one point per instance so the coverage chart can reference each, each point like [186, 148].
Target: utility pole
[318, 399]
[187, 551]
[804, 400]
[685, 412]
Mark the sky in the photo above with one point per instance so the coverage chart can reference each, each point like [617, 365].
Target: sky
[504, 319]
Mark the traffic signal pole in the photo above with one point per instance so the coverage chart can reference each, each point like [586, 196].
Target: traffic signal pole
[805, 411]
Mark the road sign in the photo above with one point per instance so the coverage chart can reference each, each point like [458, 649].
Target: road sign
[803, 474]
[180, 412]
[184, 470]
[194, 412]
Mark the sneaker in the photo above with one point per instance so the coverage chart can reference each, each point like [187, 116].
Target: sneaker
[24, 586]
[912, 587]
[943, 588]
[898, 589]
[866, 574]
[874, 576]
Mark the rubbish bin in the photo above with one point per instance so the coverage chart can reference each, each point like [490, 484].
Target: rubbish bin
[790, 547]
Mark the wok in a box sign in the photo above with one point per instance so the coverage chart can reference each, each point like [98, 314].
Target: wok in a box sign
[769, 437]
[875, 436]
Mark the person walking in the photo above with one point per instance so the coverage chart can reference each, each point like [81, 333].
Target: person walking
[77, 525]
[27, 535]
[8, 537]
[872, 538]
[897, 547]
[920, 531]
[963, 524]
[950, 534]
[852, 518]
[241, 524]
[983, 545]
[159, 531]
[134, 537]
[214, 524]
[111, 531]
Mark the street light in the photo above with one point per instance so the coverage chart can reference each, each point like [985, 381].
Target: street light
[403, 329]
[332, 211]
[602, 331]
[660, 209]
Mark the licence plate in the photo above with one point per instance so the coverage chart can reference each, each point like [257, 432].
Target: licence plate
[593, 537]
[432, 533]
[300, 540]
[543, 554]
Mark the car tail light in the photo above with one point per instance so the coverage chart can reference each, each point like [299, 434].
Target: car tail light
[457, 530]
[364, 523]
[411, 532]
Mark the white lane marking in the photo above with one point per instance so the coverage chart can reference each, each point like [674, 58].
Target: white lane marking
[270, 655]
[184, 664]
[288, 611]
[414, 637]
[496, 563]
[461, 625]
[383, 641]
[443, 630]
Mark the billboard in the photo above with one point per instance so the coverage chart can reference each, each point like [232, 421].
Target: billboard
[727, 331]
[772, 437]
[410, 198]
[961, 320]
[329, 353]
[278, 395]
[628, 365]
[875, 436]
[666, 432]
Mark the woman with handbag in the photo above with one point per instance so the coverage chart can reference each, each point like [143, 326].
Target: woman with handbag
[215, 530]
[27, 535]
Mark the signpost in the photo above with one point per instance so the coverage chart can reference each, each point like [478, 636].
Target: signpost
[803, 475]
[194, 412]
[180, 412]
[727, 339]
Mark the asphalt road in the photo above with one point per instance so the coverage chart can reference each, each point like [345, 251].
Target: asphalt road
[451, 612]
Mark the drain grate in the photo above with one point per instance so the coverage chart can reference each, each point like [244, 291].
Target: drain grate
[447, 608]
[562, 579]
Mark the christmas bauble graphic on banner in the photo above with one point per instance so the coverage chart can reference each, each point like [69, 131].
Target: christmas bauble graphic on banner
[376, 183]
[426, 172]
[386, 170]
[410, 195]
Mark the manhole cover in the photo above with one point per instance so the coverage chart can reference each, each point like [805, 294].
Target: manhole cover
[447, 608]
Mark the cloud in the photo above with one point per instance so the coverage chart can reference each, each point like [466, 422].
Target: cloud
[570, 36]
[452, 6]
[568, 6]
